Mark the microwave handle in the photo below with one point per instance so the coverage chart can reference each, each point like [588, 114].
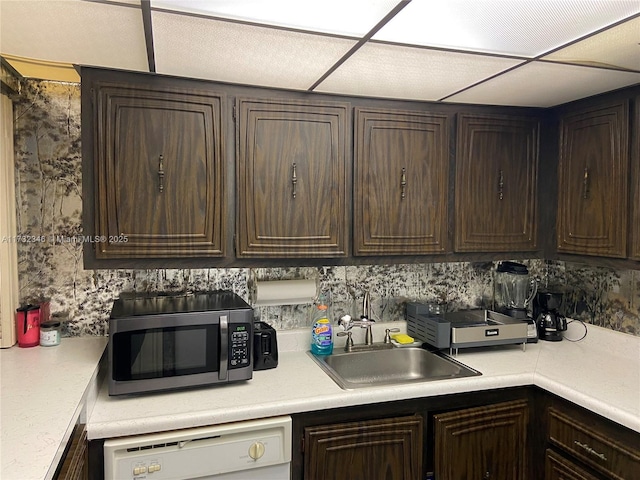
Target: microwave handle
[224, 347]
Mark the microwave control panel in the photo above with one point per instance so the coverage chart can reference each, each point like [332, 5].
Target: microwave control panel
[239, 351]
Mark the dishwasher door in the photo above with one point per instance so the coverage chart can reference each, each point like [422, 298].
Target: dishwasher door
[256, 449]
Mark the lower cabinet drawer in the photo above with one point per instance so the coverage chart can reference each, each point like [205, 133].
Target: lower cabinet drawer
[557, 467]
[597, 449]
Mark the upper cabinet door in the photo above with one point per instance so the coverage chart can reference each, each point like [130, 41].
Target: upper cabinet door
[292, 177]
[634, 250]
[496, 183]
[158, 171]
[593, 181]
[401, 182]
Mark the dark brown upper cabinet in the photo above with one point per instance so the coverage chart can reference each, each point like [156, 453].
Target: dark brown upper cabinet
[593, 181]
[401, 169]
[496, 183]
[292, 177]
[157, 168]
[634, 250]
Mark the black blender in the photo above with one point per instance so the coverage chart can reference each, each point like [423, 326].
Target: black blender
[514, 290]
[549, 321]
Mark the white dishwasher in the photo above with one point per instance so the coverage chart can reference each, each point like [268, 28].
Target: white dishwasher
[255, 449]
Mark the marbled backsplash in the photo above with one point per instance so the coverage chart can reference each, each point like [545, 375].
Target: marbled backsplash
[49, 205]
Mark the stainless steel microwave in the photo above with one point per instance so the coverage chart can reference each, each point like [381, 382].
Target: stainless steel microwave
[165, 342]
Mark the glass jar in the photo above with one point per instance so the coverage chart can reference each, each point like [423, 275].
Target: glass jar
[50, 333]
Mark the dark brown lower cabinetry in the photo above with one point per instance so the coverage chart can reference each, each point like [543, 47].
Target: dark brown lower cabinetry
[558, 467]
[602, 448]
[483, 443]
[504, 434]
[403, 440]
[385, 449]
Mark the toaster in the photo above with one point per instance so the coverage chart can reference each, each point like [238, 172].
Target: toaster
[265, 346]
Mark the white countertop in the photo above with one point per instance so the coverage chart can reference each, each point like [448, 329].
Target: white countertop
[43, 391]
[601, 373]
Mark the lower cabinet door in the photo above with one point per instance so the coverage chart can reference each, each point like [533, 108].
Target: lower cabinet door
[386, 449]
[482, 443]
[557, 467]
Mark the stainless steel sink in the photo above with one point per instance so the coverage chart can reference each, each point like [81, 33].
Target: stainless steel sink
[392, 366]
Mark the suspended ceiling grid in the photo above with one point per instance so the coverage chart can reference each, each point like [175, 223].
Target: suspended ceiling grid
[537, 53]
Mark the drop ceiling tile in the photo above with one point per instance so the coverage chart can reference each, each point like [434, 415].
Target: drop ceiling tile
[232, 52]
[544, 84]
[356, 17]
[74, 31]
[618, 47]
[516, 27]
[382, 70]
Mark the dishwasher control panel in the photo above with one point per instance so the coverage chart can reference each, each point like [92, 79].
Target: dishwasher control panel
[256, 449]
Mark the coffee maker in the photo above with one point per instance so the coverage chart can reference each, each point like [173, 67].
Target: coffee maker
[549, 322]
[513, 291]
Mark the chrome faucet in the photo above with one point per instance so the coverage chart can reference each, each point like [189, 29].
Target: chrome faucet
[366, 307]
[365, 322]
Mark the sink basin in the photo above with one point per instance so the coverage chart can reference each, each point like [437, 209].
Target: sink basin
[392, 366]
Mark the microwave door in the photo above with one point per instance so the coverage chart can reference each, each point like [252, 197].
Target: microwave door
[146, 355]
[167, 352]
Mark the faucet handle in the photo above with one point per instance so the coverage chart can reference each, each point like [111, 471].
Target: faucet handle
[349, 343]
[345, 322]
[387, 331]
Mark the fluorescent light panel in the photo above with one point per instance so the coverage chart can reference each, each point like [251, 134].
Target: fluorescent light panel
[618, 47]
[543, 84]
[240, 53]
[342, 17]
[519, 27]
[382, 70]
[74, 31]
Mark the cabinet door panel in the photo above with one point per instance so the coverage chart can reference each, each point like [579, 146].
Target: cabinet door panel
[594, 444]
[496, 183]
[485, 442]
[159, 174]
[593, 182]
[292, 176]
[372, 450]
[401, 174]
[559, 468]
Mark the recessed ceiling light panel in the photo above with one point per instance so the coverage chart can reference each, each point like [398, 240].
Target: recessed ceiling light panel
[230, 52]
[543, 84]
[74, 31]
[392, 71]
[618, 47]
[513, 27]
[341, 17]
